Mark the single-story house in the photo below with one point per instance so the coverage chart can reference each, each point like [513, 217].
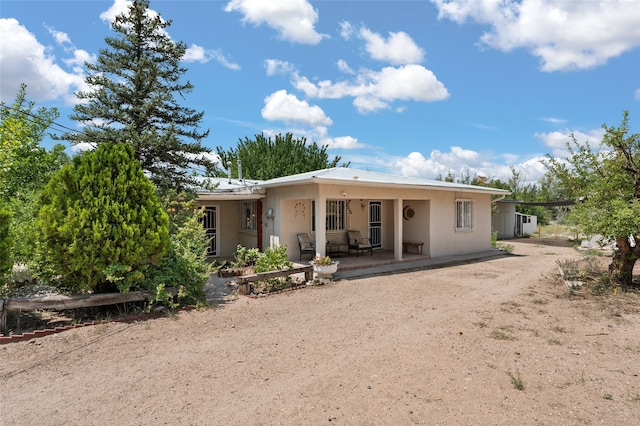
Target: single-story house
[447, 218]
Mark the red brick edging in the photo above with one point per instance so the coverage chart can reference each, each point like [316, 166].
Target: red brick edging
[48, 331]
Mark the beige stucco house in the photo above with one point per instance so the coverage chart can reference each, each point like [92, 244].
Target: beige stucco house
[446, 218]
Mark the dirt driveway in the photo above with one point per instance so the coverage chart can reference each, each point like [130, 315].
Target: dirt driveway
[494, 342]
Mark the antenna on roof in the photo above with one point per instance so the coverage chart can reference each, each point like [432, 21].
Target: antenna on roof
[240, 170]
[229, 171]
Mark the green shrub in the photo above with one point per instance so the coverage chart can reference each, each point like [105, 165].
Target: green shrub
[273, 259]
[101, 221]
[244, 257]
[185, 265]
[6, 261]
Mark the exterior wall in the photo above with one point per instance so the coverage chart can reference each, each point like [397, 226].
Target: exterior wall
[433, 222]
[528, 223]
[504, 220]
[445, 239]
[418, 227]
[229, 235]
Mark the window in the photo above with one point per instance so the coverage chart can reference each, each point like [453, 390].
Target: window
[248, 220]
[335, 220]
[464, 214]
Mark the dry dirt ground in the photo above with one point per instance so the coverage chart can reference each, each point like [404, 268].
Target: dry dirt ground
[442, 346]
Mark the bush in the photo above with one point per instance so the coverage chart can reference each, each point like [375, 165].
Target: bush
[185, 265]
[6, 261]
[244, 257]
[101, 222]
[273, 259]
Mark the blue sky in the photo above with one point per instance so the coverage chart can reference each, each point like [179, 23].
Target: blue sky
[416, 88]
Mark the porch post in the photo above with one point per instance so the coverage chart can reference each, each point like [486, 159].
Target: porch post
[321, 232]
[397, 229]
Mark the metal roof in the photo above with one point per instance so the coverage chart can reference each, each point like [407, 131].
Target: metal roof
[344, 175]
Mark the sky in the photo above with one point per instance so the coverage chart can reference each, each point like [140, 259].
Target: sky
[419, 88]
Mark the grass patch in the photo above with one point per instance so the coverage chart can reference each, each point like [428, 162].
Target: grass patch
[559, 329]
[516, 381]
[501, 335]
[481, 324]
[554, 341]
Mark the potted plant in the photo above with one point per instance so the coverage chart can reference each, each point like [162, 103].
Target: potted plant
[324, 266]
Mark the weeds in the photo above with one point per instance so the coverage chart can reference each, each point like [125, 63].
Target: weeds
[516, 381]
[559, 329]
[501, 335]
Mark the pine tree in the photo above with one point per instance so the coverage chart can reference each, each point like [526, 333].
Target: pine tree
[132, 99]
[100, 212]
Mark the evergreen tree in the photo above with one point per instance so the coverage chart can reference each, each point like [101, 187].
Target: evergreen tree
[132, 99]
[265, 158]
[99, 215]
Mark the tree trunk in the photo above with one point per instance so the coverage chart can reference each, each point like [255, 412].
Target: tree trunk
[624, 259]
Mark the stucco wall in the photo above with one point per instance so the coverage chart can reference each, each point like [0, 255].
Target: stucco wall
[433, 223]
[229, 235]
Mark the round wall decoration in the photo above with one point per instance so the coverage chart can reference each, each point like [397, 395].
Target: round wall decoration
[408, 213]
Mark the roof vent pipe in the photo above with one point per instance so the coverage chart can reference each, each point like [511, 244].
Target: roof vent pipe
[229, 171]
[240, 170]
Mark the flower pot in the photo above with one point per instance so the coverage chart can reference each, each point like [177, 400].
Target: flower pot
[325, 271]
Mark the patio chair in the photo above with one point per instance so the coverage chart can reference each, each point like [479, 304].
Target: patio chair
[306, 245]
[358, 243]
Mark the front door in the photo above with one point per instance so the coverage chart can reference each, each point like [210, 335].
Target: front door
[375, 223]
[210, 224]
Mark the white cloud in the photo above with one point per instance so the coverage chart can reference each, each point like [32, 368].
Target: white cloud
[554, 120]
[276, 66]
[344, 67]
[346, 30]
[60, 37]
[557, 140]
[342, 142]
[117, 8]
[282, 106]
[197, 53]
[83, 146]
[462, 162]
[636, 95]
[565, 35]
[293, 19]
[25, 60]
[375, 90]
[398, 49]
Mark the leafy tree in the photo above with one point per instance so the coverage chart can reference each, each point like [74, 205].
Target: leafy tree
[132, 99]
[265, 158]
[6, 263]
[607, 181]
[25, 167]
[24, 164]
[100, 218]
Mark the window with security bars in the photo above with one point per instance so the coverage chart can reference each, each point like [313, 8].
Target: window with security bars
[248, 221]
[464, 214]
[335, 215]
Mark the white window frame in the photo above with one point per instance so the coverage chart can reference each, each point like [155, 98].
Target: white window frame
[464, 215]
[248, 219]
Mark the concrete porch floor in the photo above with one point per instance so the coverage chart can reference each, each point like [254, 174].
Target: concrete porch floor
[367, 260]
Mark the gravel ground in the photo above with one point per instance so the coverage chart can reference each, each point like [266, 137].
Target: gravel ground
[494, 342]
